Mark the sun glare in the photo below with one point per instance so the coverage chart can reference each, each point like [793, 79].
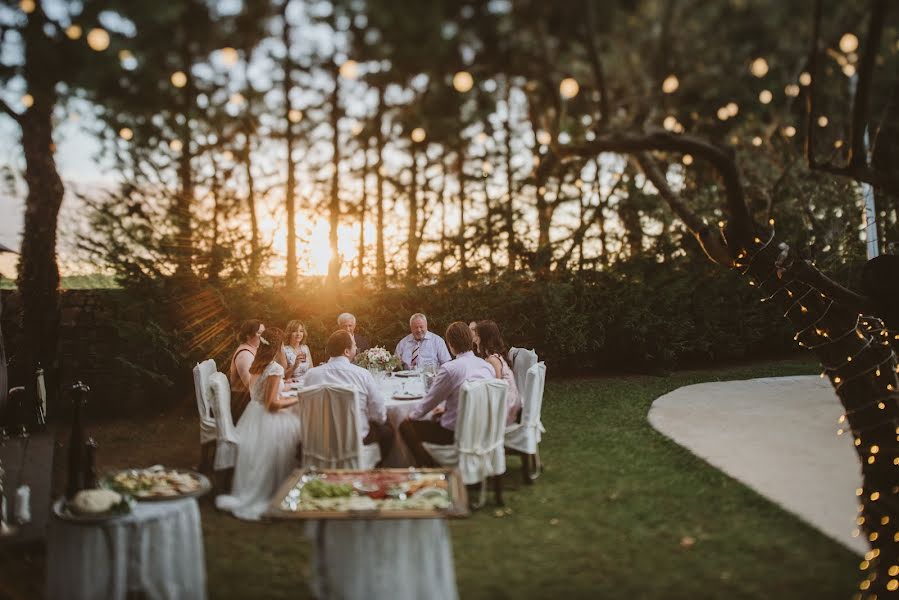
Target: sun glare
[313, 248]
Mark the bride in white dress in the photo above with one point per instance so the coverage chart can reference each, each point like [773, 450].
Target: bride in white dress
[269, 434]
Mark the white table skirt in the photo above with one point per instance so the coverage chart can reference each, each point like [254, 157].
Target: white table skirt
[403, 559]
[157, 550]
[397, 411]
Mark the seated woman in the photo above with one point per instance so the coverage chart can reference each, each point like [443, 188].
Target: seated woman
[269, 434]
[299, 359]
[492, 348]
[239, 370]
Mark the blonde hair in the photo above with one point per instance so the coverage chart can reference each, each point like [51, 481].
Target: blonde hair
[295, 326]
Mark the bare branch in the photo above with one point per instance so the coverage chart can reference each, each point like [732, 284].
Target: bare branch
[10, 112]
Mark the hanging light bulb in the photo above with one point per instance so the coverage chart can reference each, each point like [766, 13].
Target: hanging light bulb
[349, 69]
[670, 85]
[179, 79]
[98, 39]
[791, 90]
[805, 78]
[849, 43]
[229, 56]
[765, 96]
[418, 135]
[27, 100]
[125, 133]
[294, 115]
[759, 67]
[569, 88]
[463, 81]
[176, 145]
[73, 32]
[27, 6]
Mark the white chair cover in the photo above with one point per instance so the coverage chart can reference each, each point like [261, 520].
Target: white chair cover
[525, 436]
[522, 361]
[480, 426]
[202, 372]
[227, 440]
[331, 436]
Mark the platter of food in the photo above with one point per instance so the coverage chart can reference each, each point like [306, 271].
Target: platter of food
[406, 373]
[93, 506]
[157, 483]
[377, 494]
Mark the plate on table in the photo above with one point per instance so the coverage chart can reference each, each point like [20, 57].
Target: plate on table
[406, 373]
[63, 509]
[157, 483]
[407, 396]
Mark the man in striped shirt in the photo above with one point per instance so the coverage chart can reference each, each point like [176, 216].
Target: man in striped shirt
[421, 346]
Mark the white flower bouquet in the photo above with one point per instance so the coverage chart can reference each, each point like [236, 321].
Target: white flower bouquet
[378, 359]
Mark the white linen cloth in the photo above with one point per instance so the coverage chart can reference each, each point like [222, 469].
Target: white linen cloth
[340, 371]
[397, 411]
[268, 448]
[156, 551]
[478, 449]
[447, 386]
[202, 372]
[522, 360]
[431, 349]
[331, 428]
[227, 439]
[402, 559]
[525, 436]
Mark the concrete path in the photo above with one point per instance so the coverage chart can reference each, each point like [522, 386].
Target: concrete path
[778, 436]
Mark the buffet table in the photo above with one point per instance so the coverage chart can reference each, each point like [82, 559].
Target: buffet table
[156, 551]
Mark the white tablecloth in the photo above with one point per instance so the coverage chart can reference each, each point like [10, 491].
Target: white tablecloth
[157, 550]
[397, 411]
[403, 559]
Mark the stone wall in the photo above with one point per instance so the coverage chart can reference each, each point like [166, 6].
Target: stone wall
[94, 343]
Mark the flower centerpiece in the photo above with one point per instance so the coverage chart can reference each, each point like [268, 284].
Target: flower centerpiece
[377, 360]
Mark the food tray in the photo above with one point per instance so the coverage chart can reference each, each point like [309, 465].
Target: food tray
[205, 485]
[281, 504]
[61, 510]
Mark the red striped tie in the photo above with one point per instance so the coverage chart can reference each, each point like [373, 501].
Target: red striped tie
[415, 351]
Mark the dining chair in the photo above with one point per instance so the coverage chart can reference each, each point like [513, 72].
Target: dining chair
[523, 438]
[331, 435]
[208, 428]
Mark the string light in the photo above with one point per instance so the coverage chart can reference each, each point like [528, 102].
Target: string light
[848, 70]
[418, 135]
[27, 100]
[73, 32]
[789, 131]
[27, 6]
[805, 78]
[687, 159]
[669, 123]
[670, 85]
[294, 115]
[732, 109]
[98, 39]
[176, 145]
[822, 121]
[463, 81]
[791, 90]
[569, 88]
[544, 137]
[179, 79]
[125, 133]
[756, 141]
[765, 96]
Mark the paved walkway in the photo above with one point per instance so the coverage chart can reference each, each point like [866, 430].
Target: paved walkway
[778, 436]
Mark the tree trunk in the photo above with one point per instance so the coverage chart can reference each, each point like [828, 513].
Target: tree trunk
[380, 261]
[255, 250]
[334, 204]
[38, 280]
[488, 231]
[460, 170]
[184, 242]
[290, 278]
[363, 209]
[413, 240]
[509, 212]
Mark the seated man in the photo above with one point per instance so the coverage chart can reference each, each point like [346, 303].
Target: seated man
[239, 372]
[347, 322]
[421, 346]
[340, 370]
[446, 387]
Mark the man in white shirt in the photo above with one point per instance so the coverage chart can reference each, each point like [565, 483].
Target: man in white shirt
[347, 322]
[340, 370]
[446, 388]
[421, 346]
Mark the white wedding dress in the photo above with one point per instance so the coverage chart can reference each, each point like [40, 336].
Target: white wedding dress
[267, 452]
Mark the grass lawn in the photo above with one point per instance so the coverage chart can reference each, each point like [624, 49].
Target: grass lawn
[613, 516]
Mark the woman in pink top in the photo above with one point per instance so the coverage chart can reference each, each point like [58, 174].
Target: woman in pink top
[493, 349]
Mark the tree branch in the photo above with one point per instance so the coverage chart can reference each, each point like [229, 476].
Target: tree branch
[740, 229]
[10, 112]
[810, 92]
[860, 103]
[710, 241]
